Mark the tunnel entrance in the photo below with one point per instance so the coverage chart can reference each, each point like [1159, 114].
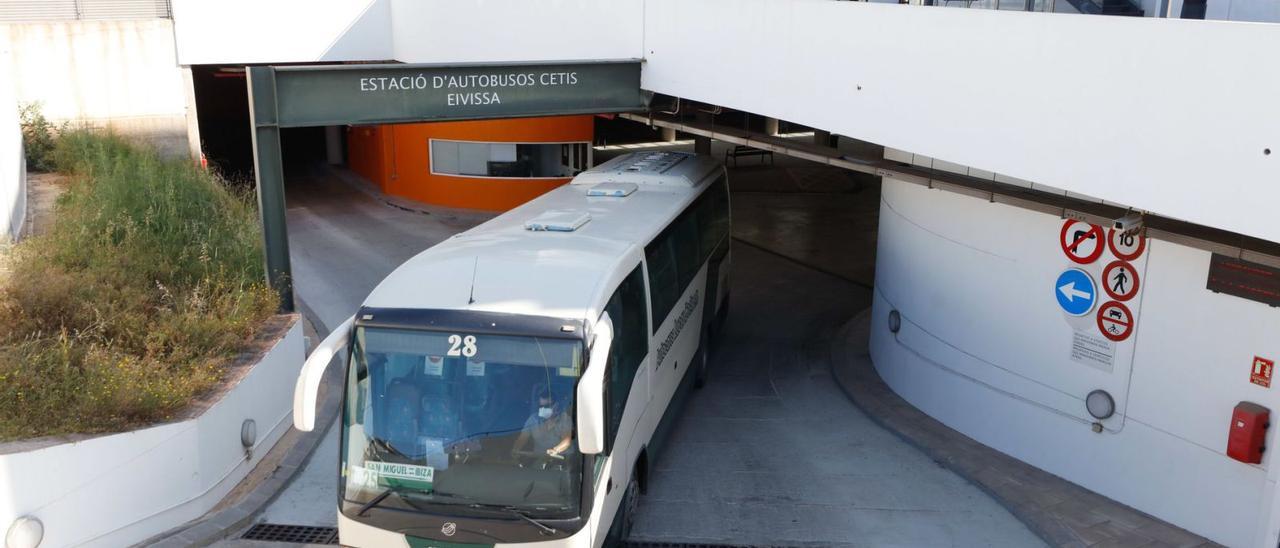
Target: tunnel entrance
[309, 96]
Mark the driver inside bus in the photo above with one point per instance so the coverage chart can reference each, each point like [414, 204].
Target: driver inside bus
[549, 427]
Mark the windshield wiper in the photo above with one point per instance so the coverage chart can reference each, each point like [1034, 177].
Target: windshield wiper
[546, 529]
[375, 500]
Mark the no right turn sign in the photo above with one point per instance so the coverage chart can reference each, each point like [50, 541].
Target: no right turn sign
[1082, 242]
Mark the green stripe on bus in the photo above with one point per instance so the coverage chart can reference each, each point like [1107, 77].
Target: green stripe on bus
[419, 542]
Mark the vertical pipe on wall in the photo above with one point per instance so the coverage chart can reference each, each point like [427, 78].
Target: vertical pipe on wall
[333, 145]
[268, 172]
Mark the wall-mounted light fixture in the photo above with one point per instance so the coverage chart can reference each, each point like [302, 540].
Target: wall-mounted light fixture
[248, 433]
[1100, 404]
[25, 532]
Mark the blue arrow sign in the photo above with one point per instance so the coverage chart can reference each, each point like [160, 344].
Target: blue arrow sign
[1075, 291]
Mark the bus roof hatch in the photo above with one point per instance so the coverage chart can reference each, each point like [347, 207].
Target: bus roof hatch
[558, 221]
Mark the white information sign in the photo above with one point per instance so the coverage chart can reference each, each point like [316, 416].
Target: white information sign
[1093, 351]
[434, 366]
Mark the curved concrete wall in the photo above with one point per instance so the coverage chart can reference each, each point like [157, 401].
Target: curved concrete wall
[121, 489]
[985, 348]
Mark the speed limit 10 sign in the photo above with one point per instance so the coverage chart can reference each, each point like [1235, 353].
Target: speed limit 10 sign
[1126, 246]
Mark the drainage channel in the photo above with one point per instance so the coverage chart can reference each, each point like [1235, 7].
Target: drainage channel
[306, 534]
[300, 534]
[678, 544]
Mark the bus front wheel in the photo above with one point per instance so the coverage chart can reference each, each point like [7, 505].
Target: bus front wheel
[630, 502]
[625, 519]
[704, 356]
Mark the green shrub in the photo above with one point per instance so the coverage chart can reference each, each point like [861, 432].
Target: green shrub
[37, 137]
[149, 282]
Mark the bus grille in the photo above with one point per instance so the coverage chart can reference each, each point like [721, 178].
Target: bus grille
[676, 544]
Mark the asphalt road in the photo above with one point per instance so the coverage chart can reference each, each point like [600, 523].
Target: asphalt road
[771, 452]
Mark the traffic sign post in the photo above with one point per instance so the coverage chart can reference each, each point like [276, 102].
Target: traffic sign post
[1075, 291]
[1126, 246]
[1120, 280]
[1082, 242]
[1115, 321]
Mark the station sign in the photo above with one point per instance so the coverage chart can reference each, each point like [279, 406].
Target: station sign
[1082, 242]
[1120, 280]
[387, 93]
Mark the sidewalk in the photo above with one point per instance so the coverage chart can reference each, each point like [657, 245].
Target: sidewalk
[1060, 512]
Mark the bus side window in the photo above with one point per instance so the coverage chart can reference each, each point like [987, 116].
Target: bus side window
[630, 344]
[688, 256]
[660, 255]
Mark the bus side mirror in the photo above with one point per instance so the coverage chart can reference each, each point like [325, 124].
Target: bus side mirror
[306, 393]
[591, 401]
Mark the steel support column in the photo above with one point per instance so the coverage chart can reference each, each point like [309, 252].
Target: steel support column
[268, 172]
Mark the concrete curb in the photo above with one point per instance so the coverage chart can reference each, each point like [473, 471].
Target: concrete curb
[1058, 511]
[290, 457]
[361, 184]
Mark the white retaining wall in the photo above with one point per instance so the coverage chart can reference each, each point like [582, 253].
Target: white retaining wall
[123, 74]
[985, 348]
[13, 167]
[121, 489]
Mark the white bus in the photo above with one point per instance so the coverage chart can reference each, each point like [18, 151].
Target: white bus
[512, 385]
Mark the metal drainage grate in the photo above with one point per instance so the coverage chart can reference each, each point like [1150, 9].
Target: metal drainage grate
[670, 544]
[301, 534]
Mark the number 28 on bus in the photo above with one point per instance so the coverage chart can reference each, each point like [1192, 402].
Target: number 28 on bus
[505, 386]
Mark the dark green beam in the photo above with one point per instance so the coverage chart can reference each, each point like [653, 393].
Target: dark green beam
[269, 174]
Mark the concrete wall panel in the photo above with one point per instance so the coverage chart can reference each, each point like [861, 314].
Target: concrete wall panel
[13, 168]
[121, 74]
[282, 31]
[517, 30]
[1165, 115]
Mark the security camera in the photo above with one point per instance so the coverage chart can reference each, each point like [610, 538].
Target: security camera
[1129, 223]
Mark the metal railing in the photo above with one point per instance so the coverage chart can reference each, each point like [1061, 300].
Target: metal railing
[15, 11]
[1053, 6]
[1103, 7]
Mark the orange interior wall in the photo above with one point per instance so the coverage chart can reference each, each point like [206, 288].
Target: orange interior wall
[369, 153]
[397, 158]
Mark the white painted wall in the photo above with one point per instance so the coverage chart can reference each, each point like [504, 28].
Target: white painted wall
[1176, 126]
[282, 31]
[518, 30]
[1243, 10]
[984, 348]
[121, 74]
[13, 165]
[121, 489]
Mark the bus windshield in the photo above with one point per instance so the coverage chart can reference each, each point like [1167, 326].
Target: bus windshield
[479, 421]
